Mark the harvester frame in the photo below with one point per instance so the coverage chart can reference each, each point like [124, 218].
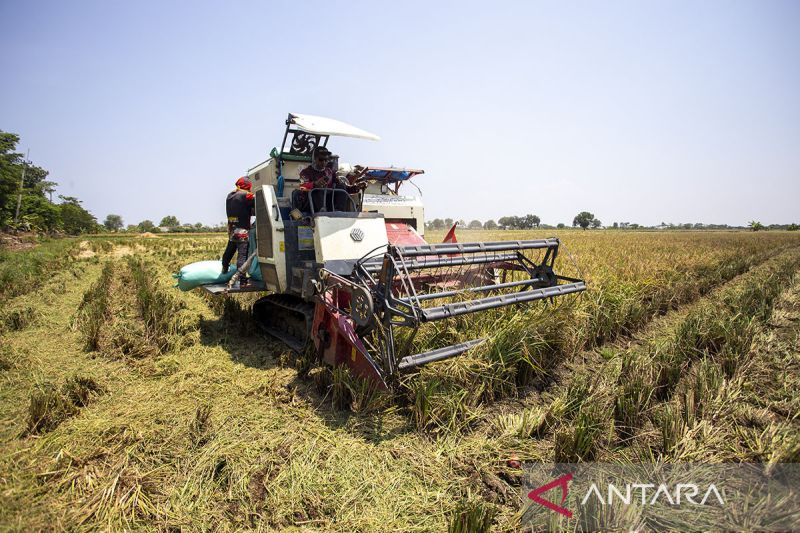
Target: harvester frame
[349, 279]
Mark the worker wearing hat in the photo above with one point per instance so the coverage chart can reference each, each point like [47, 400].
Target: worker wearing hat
[239, 207]
[321, 175]
[318, 174]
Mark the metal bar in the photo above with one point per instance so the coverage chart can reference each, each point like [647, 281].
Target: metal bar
[285, 135]
[493, 302]
[437, 355]
[445, 294]
[329, 193]
[436, 262]
[373, 265]
[222, 288]
[390, 301]
[475, 247]
[409, 287]
[390, 357]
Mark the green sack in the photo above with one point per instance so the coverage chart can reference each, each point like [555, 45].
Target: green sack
[210, 272]
[202, 273]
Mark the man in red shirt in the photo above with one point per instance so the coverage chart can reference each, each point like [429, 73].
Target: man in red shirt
[320, 175]
[239, 207]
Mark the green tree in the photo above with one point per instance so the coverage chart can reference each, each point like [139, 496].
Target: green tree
[10, 174]
[508, 222]
[793, 227]
[39, 213]
[113, 223]
[437, 223]
[756, 225]
[74, 218]
[530, 221]
[47, 188]
[448, 223]
[596, 223]
[490, 224]
[34, 178]
[146, 225]
[583, 219]
[35, 186]
[561, 225]
[475, 224]
[170, 221]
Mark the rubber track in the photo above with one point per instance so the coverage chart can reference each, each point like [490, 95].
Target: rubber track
[271, 314]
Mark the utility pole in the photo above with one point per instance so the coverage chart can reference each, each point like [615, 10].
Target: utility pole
[21, 185]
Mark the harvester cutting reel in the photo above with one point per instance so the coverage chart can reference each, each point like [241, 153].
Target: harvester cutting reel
[368, 320]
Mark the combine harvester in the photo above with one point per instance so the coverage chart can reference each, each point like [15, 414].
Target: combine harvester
[361, 280]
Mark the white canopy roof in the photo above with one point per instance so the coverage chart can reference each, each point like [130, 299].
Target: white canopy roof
[329, 126]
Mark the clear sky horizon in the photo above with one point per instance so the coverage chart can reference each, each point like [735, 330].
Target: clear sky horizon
[636, 111]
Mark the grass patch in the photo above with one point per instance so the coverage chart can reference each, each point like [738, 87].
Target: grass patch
[19, 318]
[50, 405]
[92, 316]
[201, 428]
[633, 395]
[23, 271]
[471, 515]
[7, 360]
[159, 309]
[580, 440]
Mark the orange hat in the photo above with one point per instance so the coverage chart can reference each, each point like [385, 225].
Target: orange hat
[244, 183]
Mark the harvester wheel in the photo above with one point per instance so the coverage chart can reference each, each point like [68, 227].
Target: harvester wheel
[361, 307]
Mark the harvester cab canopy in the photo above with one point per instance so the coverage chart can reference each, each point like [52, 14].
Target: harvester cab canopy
[306, 132]
[382, 184]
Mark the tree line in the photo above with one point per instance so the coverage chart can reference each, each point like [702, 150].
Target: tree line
[169, 223]
[584, 220]
[26, 202]
[26, 196]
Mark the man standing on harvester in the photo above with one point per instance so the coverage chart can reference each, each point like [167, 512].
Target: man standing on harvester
[239, 206]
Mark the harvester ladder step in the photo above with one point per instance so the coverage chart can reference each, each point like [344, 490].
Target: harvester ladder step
[423, 358]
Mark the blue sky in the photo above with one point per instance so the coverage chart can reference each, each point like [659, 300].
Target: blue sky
[635, 111]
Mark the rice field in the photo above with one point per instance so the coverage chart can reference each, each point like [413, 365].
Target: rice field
[128, 404]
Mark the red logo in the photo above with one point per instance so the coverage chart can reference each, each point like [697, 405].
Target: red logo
[559, 482]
